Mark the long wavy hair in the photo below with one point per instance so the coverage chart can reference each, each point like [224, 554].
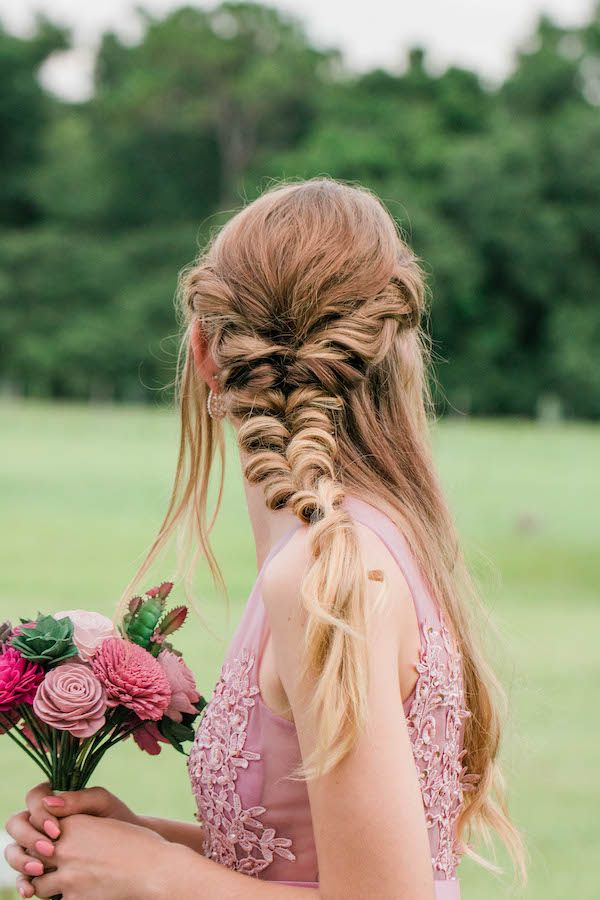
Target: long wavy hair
[313, 305]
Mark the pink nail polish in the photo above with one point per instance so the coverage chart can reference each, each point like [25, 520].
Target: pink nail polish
[54, 801]
[51, 829]
[34, 867]
[44, 847]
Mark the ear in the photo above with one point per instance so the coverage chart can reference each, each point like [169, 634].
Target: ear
[203, 360]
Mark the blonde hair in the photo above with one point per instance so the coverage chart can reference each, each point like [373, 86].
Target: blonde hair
[313, 306]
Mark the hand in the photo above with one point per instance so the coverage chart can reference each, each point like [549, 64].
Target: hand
[32, 827]
[44, 806]
[99, 858]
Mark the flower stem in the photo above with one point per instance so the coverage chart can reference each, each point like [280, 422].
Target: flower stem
[39, 759]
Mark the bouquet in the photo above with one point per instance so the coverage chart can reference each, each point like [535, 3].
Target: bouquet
[72, 685]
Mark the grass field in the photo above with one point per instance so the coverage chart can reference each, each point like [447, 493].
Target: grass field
[83, 490]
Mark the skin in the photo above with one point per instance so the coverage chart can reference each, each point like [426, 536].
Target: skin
[368, 808]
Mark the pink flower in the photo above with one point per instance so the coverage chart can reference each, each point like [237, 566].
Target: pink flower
[19, 678]
[72, 699]
[147, 737]
[132, 678]
[89, 630]
[183, 685]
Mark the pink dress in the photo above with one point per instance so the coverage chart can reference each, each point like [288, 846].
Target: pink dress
[257, 822]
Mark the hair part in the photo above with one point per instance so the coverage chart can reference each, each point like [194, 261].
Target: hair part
[313, 306]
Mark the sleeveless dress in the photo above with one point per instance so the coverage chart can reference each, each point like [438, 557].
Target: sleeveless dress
[257, 822]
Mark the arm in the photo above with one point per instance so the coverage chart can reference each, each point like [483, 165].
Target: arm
[190, 834]
[368, 816]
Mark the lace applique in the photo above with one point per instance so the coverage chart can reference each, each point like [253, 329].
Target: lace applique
[233, 835]
[436, 749]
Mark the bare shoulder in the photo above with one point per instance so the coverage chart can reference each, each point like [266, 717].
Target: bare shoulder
[283, 577]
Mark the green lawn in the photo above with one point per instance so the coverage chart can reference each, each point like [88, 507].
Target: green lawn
[83, 490]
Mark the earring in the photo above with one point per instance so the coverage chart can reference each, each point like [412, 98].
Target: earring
[216, 405]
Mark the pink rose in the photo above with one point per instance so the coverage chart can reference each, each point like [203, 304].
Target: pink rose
[89, 630]
[183, 685]
[72, 699]
[132, 678]
[19, 678]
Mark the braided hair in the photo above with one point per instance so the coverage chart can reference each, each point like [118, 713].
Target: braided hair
[290, 368]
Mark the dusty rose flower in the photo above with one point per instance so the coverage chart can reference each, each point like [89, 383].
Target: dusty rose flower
[72, 699]
[182, 683]
[132, 678]
[89, 630]
[19, 678]
[149, 738]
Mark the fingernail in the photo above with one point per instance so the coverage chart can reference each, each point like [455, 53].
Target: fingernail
[44, 847]
[34, 867]
[54, 801]
[51, 828]
[23, 892]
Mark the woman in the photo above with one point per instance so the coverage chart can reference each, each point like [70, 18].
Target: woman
[350, 744]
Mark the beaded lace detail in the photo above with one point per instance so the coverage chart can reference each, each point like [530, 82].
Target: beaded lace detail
[233, 836]
[236, 838]
[436, 742]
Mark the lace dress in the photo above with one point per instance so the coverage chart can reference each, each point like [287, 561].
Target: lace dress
[257, 822]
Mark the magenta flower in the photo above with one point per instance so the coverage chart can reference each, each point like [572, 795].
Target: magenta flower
[19, 678]
[132, 678]
[72, 699]
[182, 683]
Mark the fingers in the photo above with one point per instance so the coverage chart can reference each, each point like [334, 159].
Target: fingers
[48, 885]
[27, 836]
[21, 862]
[24, 886]
[92, 801]
[41, 815]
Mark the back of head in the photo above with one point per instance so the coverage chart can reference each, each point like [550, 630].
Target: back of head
[304, 295]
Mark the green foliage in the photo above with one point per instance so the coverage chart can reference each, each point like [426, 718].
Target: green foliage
[102, 202]
[49, 641]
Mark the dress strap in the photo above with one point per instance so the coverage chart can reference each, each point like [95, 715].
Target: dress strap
[389, 533]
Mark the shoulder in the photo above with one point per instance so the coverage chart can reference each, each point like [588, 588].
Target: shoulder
[283, 577]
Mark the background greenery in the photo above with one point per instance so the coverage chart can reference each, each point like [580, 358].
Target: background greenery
[101, 202]
[84, 490]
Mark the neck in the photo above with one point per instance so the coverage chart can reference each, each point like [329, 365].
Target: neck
[268, 525]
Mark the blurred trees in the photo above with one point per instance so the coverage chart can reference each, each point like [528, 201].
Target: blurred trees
[104, 201]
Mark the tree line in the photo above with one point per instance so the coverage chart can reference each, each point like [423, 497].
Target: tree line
[496, 187]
